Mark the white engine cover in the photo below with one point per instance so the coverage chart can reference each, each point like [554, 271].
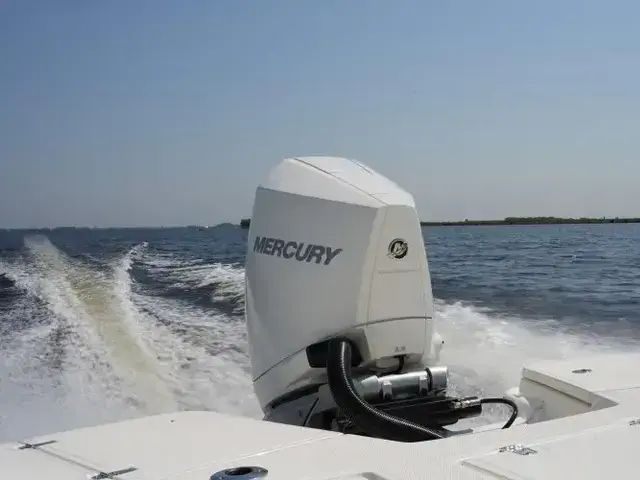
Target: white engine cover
[333, 248]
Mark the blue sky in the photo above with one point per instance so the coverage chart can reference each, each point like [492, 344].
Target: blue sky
[152, 112]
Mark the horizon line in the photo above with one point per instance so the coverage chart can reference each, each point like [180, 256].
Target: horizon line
[546, 220]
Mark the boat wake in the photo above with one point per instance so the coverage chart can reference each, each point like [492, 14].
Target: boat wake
[87, 341]
[86, 347]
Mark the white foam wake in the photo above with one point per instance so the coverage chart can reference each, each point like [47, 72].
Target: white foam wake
[105, 349]
[104, 352]
[486, 351]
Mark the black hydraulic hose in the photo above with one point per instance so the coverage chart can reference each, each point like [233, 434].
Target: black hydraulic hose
[311, 409]
[368, 418]
[504, 401]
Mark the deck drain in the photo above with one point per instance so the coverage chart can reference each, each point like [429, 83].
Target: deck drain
[240, 473]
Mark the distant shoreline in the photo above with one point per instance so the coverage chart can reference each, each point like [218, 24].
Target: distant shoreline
[532, 221]
[514, 221]
[246, 222]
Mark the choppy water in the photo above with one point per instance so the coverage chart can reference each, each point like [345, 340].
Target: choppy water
[100, 325]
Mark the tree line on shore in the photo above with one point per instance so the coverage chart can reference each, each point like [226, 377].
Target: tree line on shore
[246, 222]
[535, 221]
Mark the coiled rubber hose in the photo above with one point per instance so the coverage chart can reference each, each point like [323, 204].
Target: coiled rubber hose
[368, 418]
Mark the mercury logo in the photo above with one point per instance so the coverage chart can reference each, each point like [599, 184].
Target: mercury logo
[398, 248]
[299, 251]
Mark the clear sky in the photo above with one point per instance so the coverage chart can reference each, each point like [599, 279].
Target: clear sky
[152, 112]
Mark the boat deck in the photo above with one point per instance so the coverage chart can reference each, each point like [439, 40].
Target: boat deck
[601, 443]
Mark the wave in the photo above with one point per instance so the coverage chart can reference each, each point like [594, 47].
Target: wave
[91, 344]
[211, 284]
[101, 351]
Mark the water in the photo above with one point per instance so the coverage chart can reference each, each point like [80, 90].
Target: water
[102, 325]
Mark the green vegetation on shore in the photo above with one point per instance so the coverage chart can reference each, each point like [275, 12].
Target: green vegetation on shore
[533, 221]
[245, 222]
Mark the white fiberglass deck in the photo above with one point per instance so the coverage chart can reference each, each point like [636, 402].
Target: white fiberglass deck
[601, 443]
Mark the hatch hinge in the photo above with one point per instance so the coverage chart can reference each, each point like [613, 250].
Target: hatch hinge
[518, 449]
[114, 474]
[26, 446]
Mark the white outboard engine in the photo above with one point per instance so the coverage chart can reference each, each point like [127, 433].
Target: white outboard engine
[339, 308]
